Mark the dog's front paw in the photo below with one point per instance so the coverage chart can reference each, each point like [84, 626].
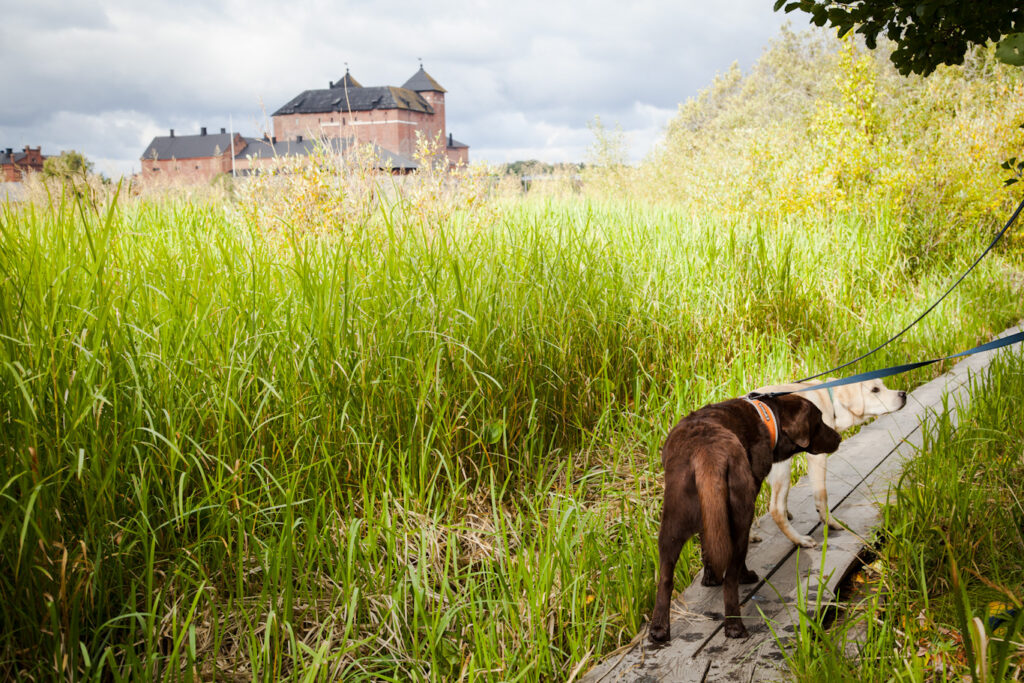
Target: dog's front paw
[660, 633]
[734, 628]
[806, 542]
[755, 537]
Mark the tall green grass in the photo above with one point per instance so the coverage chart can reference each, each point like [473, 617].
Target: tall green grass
[428, 450]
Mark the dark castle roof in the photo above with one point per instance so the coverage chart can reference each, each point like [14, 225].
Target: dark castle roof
[346, 82]
[187, 146]
[355, 99]
[12, 157]
[201, 146]
[421, 81]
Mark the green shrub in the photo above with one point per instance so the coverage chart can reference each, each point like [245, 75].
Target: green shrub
[821, 126]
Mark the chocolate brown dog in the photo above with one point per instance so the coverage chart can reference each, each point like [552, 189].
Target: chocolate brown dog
[715, 460]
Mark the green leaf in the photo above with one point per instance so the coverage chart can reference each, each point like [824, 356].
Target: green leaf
[1009, 181]
[495, 431]
[1011, 49]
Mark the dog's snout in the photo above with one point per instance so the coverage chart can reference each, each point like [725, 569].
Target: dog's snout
[830, 441]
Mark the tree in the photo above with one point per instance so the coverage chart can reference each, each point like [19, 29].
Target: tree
[927, 33]
[609, 148]
[67, 166]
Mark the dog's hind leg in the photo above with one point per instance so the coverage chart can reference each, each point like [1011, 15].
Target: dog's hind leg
[680, 519]
[742, 492]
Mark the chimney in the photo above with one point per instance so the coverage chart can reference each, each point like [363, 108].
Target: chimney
[172, 132]
[298, 138]
[202, 131]
[451, 140]
[10, 151]
[222, 131]
[330, 84]
[274, 139]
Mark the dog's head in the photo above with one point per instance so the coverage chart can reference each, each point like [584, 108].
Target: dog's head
[867, 399]
[801, 427]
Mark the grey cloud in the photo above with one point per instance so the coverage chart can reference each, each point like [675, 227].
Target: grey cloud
[522, 76]
[49, 15]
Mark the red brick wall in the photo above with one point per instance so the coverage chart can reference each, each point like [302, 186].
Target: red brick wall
[33, 160]
[458, 155]
[392, 129]
[201, 169]
[438, 125]
[188, 170]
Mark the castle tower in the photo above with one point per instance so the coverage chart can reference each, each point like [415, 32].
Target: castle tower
[346, 81]
[424, 84]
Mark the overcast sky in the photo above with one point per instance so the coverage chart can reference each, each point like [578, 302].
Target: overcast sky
[523, 78]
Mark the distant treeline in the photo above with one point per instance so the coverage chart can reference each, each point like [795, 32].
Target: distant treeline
[535, 167]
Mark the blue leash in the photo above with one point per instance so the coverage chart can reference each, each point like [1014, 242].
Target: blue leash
[899, 334]
[897, 369]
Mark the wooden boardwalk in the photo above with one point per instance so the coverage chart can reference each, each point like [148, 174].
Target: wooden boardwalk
[860, 475]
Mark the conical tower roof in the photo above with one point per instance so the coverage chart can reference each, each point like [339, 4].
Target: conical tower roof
[421, 81]
[346, 82]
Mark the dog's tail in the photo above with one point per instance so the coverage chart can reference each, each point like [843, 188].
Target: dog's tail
[713, 490]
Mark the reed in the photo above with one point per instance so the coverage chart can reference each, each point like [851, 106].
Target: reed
[427, 449]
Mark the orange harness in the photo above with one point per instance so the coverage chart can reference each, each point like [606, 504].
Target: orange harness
[768, 417]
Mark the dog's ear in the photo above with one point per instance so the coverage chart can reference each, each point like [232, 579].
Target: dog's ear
[851, 397]
[825, 439]
[797, 417]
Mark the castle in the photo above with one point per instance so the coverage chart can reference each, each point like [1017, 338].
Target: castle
[344, 114]
[15, 165]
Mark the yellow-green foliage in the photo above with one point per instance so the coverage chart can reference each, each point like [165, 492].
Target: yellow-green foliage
[823, 125]
[324, 192]
[331, 193]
